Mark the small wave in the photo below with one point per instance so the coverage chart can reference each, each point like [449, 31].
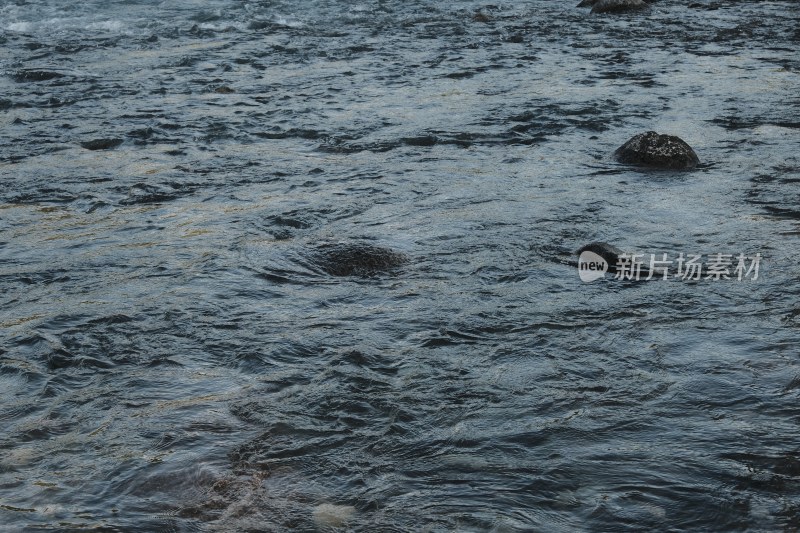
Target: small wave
[289, 22]
[143, 193]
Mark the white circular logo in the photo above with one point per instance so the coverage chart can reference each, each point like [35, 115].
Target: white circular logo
[591, 266]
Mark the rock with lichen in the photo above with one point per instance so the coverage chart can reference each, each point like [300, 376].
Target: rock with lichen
[651, 149]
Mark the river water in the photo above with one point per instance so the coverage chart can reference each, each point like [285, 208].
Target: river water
[173, 359]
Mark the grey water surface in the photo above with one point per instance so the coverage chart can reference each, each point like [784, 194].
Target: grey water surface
[176, 356]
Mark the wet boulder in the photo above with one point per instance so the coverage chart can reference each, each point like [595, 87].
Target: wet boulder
[617, 6]
[609, 252]
[650, 149]
[356, 259]
[587, 3]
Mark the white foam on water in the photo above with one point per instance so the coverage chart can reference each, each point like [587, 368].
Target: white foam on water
[107, 25]
[771, 130]
[21, 27]
[66, 25]
[222, 26]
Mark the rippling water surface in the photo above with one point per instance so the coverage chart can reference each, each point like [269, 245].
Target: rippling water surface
[179, 348]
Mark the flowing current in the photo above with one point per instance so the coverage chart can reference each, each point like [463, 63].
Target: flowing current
[184, 347]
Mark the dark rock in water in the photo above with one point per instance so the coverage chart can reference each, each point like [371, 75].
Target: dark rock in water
[101, 144]
[713, 6]
[617, 6]
[609, 252]
[423, 140]
[356, 259]
[27, 75]
[587, 3]
[650, 149]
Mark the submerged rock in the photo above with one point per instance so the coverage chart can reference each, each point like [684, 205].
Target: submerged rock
[329, 515]
[713, 6]
[617, 6]
[34, 75]
[356, 259]
[143, 193]
[651, 149]
[101, 144]
[609, 252]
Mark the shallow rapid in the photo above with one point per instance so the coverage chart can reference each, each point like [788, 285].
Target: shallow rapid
[310, 265]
